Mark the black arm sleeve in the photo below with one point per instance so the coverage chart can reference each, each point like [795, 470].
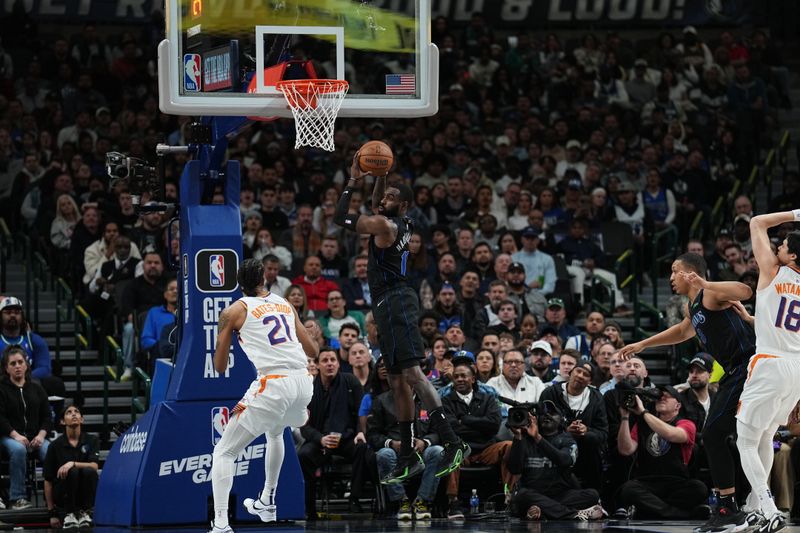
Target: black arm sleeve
[560, 456]
[341, 217]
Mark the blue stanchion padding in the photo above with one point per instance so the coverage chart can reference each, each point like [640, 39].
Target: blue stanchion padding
[162, 374]
[161, 472]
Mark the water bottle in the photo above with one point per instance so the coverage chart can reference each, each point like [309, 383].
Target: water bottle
[474, 502]
[713, 499]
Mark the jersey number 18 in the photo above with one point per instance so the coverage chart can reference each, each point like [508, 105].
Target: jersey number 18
[788, 316]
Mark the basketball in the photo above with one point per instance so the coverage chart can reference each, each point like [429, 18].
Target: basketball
[376, 158]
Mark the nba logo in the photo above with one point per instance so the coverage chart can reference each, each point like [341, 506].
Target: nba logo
[216, 265]
[191, 72]
[219, 419]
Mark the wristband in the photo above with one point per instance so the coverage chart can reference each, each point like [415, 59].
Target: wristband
[796, 213]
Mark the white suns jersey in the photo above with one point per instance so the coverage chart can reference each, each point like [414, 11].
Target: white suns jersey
[269, 336]
[778, 315]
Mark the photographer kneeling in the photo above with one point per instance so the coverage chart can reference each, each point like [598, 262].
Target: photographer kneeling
[661, 486]
[544, 454]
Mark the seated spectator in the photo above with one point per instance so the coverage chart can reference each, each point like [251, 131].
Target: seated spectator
[383, 436]
[144, 292]
[272, 281]
[486, 366]
[315, 286]
[333, 267]
[515, 384]
[360, 362]
[540, 360]
[475, 418]
[613, 331]
[594, 326]
[661, 487]
[498, 292]
[158, 318]
[83, 248]
[540, 270]
[264, 246]
[585, 259]
[331, 429]
[555, 316]
[602, 349]
[527, 300]
[296, 295]
[434, 364]
[585, 416]
[338, 315]
[301, 239]
[617, 366]
[102, 250]
[24, 421]
[70, 473]
[543, 455]
[697, 396]
[16, 331]
[569, 359]
[356, 289]
[469, 299]
[428, 327]
[736, 265]
[447, 307]
[101, 303]
[348, 335]
[507, 320]
[67, 217]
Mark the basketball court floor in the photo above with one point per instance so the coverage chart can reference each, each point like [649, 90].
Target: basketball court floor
[442, 525]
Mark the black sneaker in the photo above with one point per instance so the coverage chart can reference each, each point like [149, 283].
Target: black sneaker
[406, 468]
[727, 520]
[454, 511]
[452, 457]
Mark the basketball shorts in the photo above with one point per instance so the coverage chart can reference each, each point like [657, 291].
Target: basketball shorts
[396, 313]
[770, 392]
[274, 402]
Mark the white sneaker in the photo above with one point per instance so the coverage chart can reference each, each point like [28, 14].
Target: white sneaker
[126, 375]
[215, 529]
[595, 512]
[2, 504]
[70, 521]
[84, 519]
[267, 513]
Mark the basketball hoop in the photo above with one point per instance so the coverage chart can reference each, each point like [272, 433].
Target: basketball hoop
[314, 104]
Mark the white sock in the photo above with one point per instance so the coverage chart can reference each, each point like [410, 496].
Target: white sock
[749, 441]
[272, 467]
[234, 439]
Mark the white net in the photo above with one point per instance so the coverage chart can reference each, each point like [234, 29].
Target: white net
[314, 104]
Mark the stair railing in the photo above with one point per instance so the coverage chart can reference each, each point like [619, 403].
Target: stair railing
[112, 368]
[141, 381]
[669, 236]
[81, 344]
[64, 310]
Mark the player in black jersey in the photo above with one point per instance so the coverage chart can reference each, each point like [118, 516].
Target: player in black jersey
[395, 308]
[727, 336]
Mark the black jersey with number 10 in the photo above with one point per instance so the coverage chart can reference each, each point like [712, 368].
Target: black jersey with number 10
[387, 266]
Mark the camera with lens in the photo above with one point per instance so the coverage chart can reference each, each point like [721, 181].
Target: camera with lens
[140, 176]
[518, 413]
[628, 394]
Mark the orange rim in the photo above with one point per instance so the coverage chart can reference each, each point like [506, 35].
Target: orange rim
[306, 87]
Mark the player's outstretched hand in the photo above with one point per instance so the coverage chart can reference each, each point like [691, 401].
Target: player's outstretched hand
[694, 280]
[629, 350]
[742, 312]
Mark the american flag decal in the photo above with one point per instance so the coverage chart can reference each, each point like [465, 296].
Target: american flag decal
[401, 84]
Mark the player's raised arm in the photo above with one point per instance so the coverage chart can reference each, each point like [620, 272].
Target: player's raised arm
[230, 320]
[373, 225]
[724, 291]
[766, 259]
[682, 331]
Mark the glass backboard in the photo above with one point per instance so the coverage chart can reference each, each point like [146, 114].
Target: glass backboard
[223, 57]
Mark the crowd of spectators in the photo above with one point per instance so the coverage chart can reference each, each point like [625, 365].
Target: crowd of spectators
[540, 147]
